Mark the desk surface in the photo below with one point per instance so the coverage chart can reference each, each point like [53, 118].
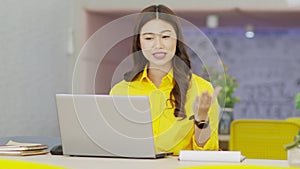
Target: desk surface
[117, 163]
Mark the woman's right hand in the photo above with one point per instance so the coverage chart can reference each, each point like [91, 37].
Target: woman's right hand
[203, 102]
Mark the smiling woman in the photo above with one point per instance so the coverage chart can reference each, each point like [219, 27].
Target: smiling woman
[158, 41]
[183, 105]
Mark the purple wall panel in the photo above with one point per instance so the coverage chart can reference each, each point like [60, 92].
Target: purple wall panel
[267, 68]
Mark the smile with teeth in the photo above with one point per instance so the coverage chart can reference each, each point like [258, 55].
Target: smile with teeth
[159, 55]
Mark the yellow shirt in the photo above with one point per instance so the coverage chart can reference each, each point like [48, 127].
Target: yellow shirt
[171, 133]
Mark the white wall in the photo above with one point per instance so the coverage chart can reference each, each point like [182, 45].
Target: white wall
[34, 65]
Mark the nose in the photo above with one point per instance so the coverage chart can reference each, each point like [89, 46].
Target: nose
[158, 42]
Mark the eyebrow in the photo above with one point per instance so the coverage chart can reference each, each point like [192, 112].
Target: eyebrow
[154, 33]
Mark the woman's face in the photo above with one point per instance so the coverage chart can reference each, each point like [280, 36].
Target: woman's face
[158, 43]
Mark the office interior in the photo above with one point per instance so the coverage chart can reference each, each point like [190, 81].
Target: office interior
[41, 43]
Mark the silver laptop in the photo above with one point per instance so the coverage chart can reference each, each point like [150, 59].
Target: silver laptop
[106, 126]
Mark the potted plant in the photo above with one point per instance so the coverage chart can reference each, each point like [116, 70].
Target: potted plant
[293, 148]
[297, 101]
[226, 98]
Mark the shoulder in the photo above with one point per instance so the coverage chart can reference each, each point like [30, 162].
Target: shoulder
[201, 83]
[119, 87]
[126, 87]
[200, 80]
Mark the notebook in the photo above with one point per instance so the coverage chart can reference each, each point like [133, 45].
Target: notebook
[106, 126]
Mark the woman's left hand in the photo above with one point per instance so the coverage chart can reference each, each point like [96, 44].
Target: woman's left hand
[203, 102]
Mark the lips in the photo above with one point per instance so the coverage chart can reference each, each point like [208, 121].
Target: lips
[159, 55]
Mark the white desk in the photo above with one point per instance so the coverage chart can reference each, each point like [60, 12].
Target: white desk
[120, 163]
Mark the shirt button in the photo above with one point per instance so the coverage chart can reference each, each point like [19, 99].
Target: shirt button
[158, 103]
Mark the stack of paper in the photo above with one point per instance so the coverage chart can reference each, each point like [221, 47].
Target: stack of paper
[22, 149]
[211, 156]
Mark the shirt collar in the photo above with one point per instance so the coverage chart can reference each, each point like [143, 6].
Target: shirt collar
[145, 74]
[170, 75]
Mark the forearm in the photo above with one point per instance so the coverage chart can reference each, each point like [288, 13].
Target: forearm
[205, 108]
[202, 135]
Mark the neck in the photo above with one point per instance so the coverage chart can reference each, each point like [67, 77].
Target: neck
[156, 74]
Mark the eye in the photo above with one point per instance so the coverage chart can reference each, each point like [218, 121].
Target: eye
[166, 36]
[148, 38]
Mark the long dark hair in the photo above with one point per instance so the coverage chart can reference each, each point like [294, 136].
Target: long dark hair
[180, 63]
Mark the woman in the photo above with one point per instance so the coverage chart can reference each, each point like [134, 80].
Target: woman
[184, 116]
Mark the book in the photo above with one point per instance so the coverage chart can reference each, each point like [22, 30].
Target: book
[22, 153]
[13, 148]
[211, 156]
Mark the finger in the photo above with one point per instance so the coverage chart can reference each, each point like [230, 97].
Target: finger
[205, 99]
[197, 99]
[216, 93]
[196, 104]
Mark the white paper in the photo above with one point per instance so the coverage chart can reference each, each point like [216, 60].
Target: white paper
[211, 156]
[14, 143]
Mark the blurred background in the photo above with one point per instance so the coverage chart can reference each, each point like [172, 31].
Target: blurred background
[258, 41]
